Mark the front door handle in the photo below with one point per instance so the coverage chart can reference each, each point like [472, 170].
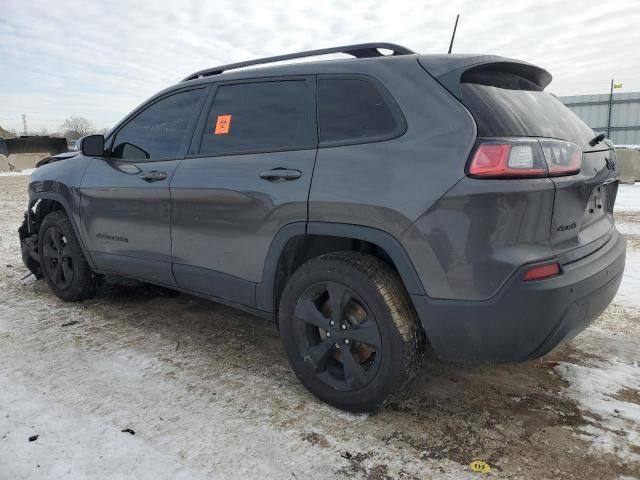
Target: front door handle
[153, 176]
[280, 174]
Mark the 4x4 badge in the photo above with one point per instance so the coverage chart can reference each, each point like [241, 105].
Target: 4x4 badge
[611, 163]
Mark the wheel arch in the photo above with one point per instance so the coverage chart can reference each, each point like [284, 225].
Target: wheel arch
[43, 203]
[298, 242]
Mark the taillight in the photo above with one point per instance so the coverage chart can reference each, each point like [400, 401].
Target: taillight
[524, 158]
[563, 158]
[542, 271]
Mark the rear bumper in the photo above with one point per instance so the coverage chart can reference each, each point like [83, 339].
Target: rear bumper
[525, 320]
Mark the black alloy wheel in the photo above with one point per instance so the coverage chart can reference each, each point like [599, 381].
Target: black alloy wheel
[64, 266]
[337, 336]
[57, 257]
[349, 330]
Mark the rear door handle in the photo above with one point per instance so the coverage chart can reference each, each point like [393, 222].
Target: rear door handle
[280, 174]
[153, 176]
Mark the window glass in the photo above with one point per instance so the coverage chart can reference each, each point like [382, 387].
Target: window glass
[160, 131]
[508, 109]
[260, 117]
[352, 109]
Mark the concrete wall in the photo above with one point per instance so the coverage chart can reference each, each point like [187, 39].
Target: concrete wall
[629, 163]
[17, 162]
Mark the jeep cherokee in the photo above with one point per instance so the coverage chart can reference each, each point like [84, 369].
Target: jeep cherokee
[369, 205]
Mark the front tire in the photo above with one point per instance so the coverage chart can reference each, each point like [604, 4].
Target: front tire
[349, 330]
[64, 267]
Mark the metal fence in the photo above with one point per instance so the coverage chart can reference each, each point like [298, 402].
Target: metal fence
[623, 116]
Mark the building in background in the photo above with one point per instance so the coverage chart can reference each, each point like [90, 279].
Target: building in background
[623, 120]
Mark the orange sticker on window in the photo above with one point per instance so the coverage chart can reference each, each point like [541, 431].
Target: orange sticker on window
[223, 123]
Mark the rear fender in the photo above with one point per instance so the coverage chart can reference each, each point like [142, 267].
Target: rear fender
[388, 243]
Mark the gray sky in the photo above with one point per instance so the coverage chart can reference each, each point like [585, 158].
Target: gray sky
[100, 59]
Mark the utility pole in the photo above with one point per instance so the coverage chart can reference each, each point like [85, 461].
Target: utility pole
[453, 35]
[24, 124]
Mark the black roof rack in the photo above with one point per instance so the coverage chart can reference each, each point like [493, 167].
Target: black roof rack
[361, 50]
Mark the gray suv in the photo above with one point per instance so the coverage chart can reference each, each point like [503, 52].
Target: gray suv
[370, 206]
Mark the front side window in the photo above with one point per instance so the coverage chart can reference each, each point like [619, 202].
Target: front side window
[161, 130]
[260, 117]
[354, 110]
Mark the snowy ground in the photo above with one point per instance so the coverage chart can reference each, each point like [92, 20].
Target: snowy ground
[28, 171]
[208, 393]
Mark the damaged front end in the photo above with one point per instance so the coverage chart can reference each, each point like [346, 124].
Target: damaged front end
[28, 234]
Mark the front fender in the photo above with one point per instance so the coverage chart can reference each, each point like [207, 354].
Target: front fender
[59, 182]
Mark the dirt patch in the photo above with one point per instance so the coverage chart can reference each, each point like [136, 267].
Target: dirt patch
[627, 217]
[630, 395]
[315, 438]
[356, 464]
[633, 241]
[570, 353]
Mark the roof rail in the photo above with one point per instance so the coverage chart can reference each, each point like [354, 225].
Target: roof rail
[361, 50]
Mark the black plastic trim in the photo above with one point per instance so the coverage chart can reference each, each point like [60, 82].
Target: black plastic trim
[213, 283]
[67, 210]
[391, 245]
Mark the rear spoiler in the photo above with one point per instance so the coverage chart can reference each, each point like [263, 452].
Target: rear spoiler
[449, 70]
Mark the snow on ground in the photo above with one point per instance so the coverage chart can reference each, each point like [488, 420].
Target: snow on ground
[628, 198]
[629, 292]
[627, 210]
[601, 389]
[28, 171]
[628, 228]
[209, 394]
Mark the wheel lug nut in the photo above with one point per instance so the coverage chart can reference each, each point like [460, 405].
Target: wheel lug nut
[337, 347]
[328, 334]
[343, 326]
[346, 341]
[332, 323]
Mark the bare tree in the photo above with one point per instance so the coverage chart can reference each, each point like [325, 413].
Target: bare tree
[74, 128]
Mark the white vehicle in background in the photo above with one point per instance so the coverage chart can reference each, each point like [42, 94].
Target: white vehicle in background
[75, 145]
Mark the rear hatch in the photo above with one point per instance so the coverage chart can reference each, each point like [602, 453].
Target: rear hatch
[508, 100]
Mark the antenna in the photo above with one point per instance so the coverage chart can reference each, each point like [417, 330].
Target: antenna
[453, 35]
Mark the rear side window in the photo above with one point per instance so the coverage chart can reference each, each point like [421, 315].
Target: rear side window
[260, 117]
[505, 104]
[161, 130]
[355, 110]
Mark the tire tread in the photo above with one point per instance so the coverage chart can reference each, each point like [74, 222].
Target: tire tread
[401, 312]
[84, 285]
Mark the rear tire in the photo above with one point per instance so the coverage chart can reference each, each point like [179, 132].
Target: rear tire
[360, 358]
[64, 267]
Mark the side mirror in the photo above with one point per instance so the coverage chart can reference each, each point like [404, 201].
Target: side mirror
[92, 145]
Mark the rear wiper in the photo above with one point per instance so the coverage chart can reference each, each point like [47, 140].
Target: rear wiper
[597, 139]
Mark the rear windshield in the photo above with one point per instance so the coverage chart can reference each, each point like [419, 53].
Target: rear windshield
[506, 104]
